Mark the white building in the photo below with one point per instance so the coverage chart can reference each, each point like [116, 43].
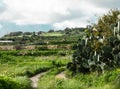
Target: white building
[6, 41]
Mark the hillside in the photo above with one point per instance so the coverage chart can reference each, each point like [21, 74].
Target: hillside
[50, 39]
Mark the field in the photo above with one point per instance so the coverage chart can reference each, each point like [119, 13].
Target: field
[48, 56]
[18, 69]
[15, 72]
[52, 34]
[90, 81]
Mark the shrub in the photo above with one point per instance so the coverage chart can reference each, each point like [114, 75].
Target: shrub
[96, 53]
[14, 83]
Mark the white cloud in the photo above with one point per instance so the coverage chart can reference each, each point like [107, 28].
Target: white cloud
[60, 13]
[34, 11]
[79, 22]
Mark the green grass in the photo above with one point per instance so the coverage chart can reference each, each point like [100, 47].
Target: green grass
[108, 80]
[50, 78]
[52, 34]
[28, 65]
[14, 83]
[15, 68]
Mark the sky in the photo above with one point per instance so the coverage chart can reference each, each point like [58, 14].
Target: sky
[43, 15]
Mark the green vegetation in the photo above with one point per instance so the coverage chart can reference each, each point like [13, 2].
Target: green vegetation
[80, 81]
[28, 65]
[15, 70]
[95, 57]
[52, 34]
[96, 51]
[14, 83]
[50, 78]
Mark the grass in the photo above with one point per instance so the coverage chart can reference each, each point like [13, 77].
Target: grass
[50, 78]
[17, 70]
[52, 34]
[28, 65]
[108, 80]
[20, 68]
[14, 83]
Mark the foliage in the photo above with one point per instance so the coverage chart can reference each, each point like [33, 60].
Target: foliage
[50, 78]
[80, 81]
[117, 82]
[30, 52]
[11, 65]
[14, 33]
[42, 38]
[14, 68]
[107, 22]
[96, 51]
[14, 83]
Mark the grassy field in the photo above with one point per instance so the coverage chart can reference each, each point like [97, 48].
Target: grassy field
[108, 80]
[29, 65]
[52, 34]
[16, 70]
[17, 66]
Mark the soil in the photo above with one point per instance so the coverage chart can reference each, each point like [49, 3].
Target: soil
[61, 75]
[35, 79]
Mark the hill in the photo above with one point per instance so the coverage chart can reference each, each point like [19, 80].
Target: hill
[52, 38]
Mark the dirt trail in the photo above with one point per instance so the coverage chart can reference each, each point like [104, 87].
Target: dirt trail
[35, 79]
[61, 75]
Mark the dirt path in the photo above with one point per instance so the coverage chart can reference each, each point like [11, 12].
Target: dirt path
[35, 79]
[61, 75]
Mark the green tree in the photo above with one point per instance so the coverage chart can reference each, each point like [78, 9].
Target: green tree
[107, 22]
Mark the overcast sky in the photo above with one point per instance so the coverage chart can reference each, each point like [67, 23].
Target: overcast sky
[36, 15]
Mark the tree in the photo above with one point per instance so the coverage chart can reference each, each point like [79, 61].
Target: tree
[107, 22]
[27, 33]
[105, 27]
[15, 33]
[50, 31]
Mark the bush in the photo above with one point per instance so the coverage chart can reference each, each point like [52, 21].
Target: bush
[97, 52]
[14, 83]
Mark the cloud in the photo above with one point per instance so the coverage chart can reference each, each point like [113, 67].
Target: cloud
[78, 22]
[110, 4]
[59, 13]
[1, 26]
[45, 11]
[33, 11]
[2, 6]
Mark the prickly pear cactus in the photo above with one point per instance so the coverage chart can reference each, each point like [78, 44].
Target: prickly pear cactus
[95, 53]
